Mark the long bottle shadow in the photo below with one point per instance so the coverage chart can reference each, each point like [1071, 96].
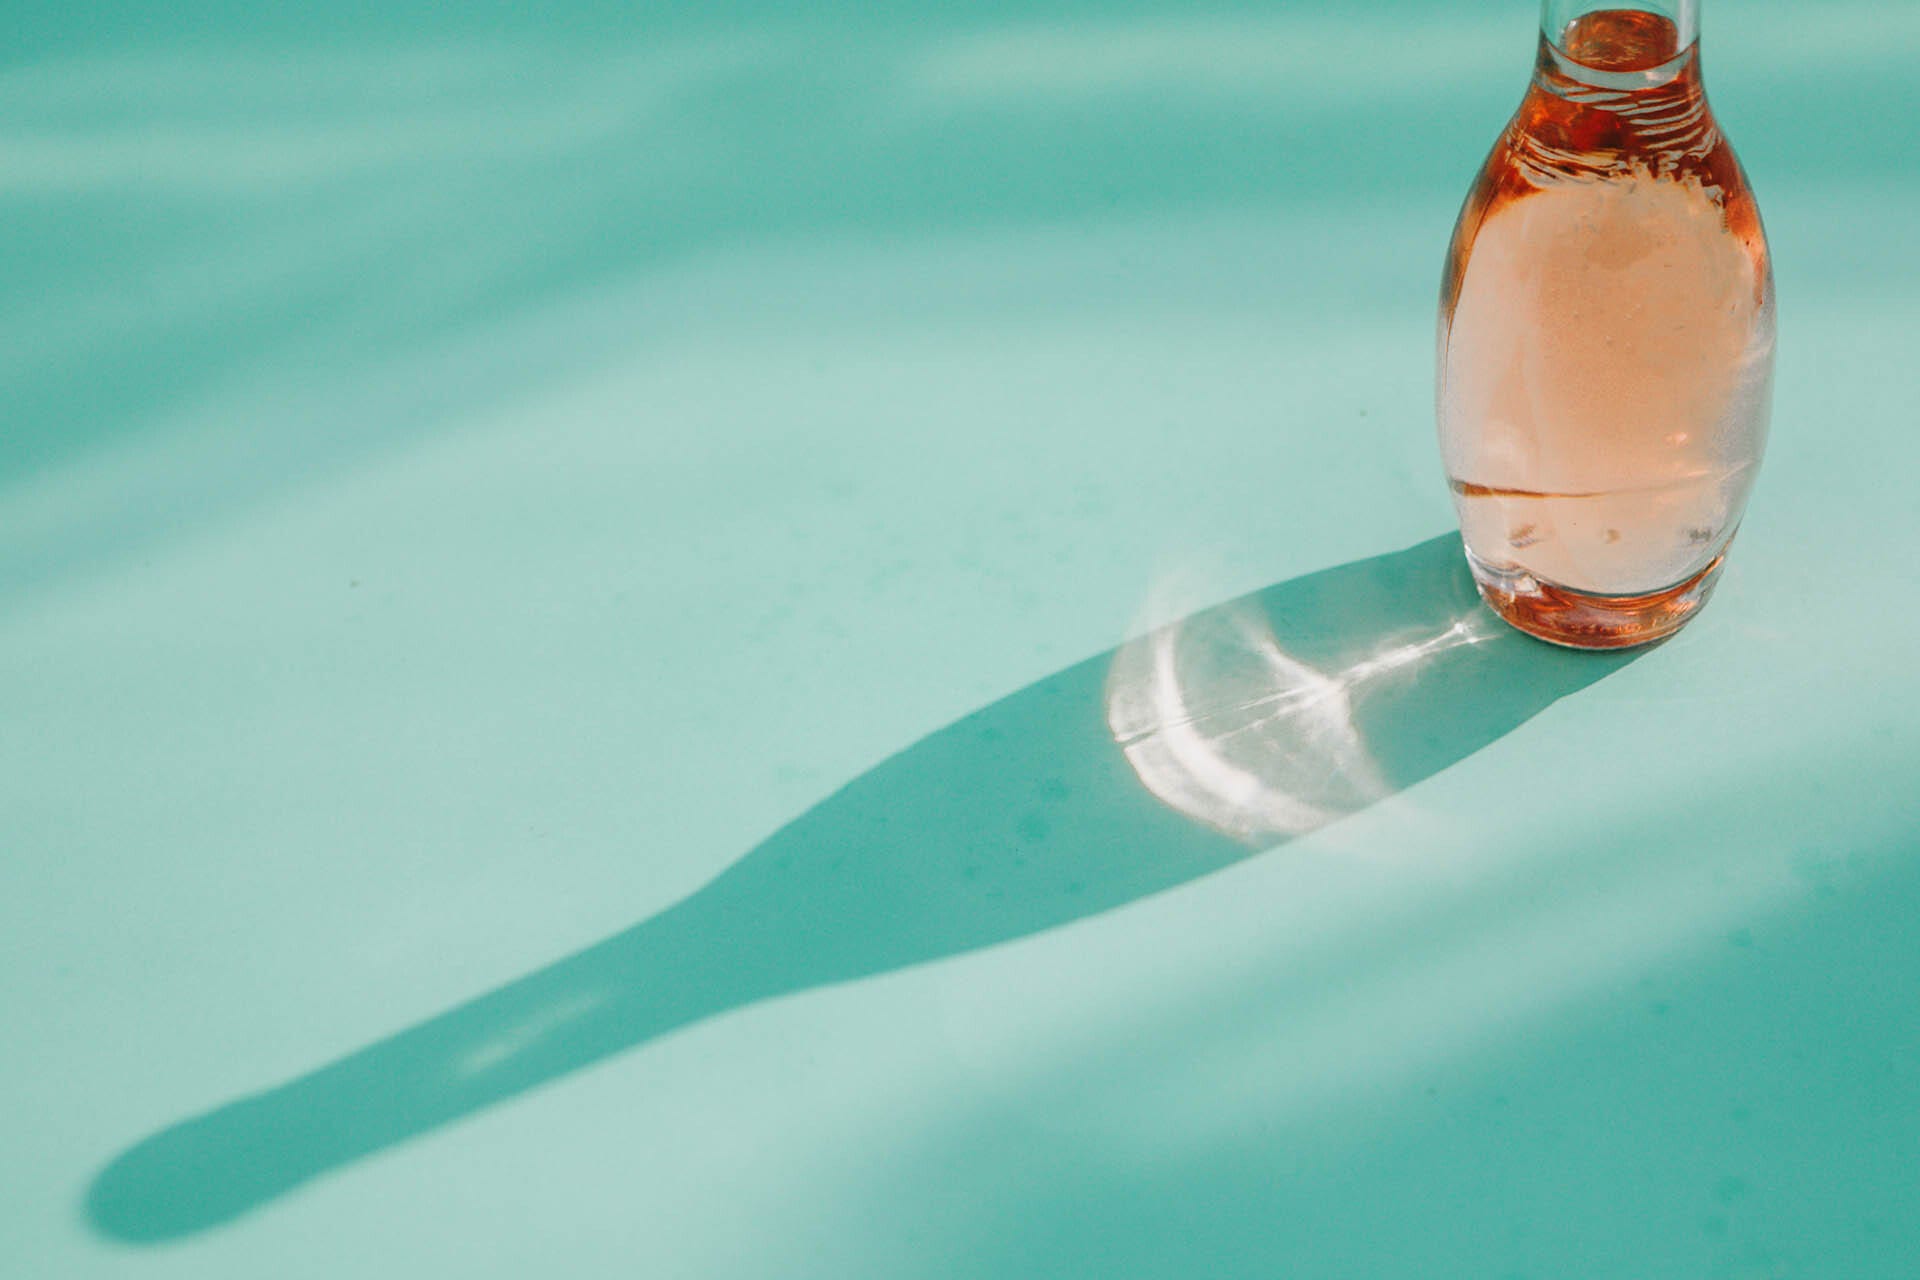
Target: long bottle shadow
[1119, 777]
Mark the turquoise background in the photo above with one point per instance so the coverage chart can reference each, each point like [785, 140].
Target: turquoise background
[472, 477]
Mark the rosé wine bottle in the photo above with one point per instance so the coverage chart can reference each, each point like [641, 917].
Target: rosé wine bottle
[1606, 337]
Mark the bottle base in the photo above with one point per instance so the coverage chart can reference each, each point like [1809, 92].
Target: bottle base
[1577, 620]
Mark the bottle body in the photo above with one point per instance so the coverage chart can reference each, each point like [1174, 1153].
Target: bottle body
[1606, 342]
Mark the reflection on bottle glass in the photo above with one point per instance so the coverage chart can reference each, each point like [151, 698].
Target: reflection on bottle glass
[1606, 339]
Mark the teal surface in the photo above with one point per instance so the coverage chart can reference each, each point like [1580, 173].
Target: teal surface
[568, 584]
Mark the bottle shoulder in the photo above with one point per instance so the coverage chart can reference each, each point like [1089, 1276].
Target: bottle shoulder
[1598, 209]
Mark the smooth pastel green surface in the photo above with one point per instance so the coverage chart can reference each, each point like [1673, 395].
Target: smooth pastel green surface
[472, 478]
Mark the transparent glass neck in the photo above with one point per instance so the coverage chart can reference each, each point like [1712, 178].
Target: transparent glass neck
[1557, 15]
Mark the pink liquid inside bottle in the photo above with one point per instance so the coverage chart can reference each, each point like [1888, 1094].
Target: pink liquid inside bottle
[1606, 339]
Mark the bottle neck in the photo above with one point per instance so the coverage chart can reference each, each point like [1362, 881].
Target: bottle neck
[1619, 35]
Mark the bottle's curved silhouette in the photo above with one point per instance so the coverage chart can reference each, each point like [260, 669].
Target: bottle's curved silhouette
[1606, 338]
[1025, 816]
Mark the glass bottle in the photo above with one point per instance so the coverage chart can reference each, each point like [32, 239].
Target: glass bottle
[1606, 337]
